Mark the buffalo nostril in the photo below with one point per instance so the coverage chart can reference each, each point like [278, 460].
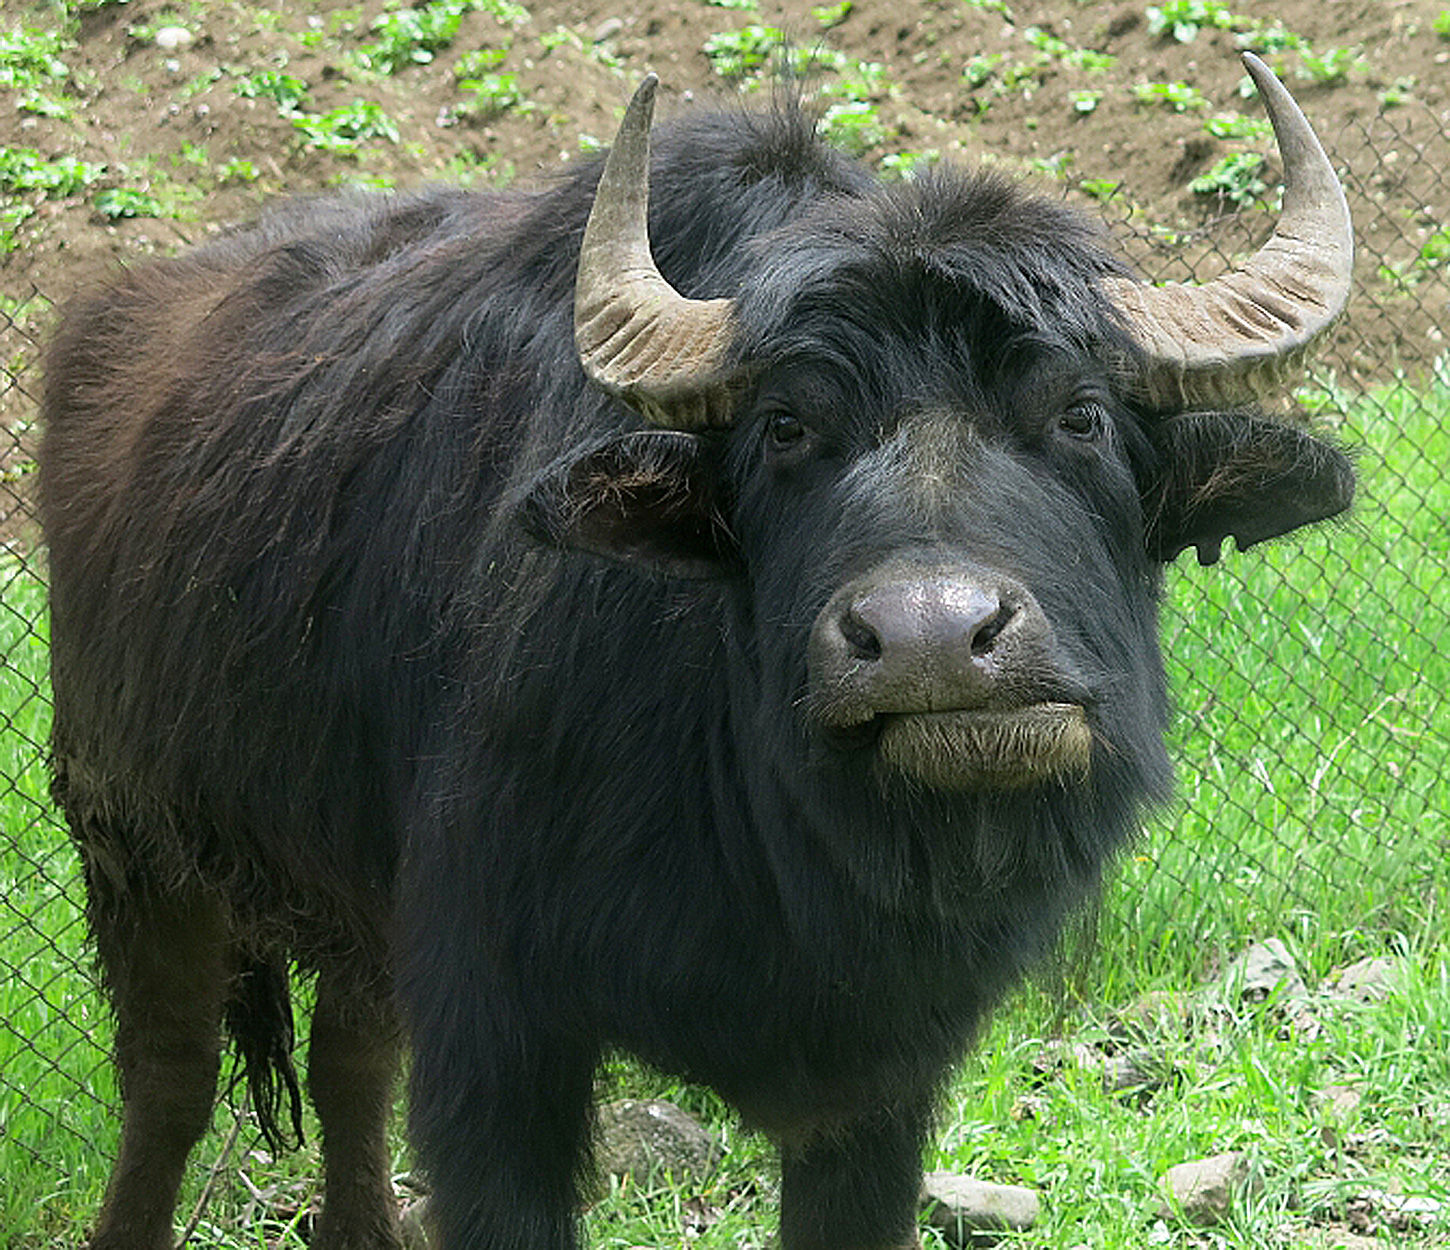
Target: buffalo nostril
[863, 641]
[986, 633]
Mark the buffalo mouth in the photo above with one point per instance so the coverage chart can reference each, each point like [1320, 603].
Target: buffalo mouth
[979, 748]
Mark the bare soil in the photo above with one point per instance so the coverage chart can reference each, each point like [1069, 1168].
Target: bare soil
[168, 121]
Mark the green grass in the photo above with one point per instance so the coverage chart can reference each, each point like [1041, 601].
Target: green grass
[1314, 807]
[55, 1084]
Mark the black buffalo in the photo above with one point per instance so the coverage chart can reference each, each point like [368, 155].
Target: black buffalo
[768, 738]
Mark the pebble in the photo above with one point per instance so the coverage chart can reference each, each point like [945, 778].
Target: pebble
[1204, 1190]
[608, 29]
[965, 1210]
[644, 1136]
[173, 38]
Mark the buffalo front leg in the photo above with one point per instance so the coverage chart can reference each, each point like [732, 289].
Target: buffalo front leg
[856, 1186]
[166, 964]
[502, 1133]
[351, 1066]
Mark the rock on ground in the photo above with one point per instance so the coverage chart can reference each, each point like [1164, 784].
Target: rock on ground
[970, 1212]
[1205, 1190]
[638, 1138]
[1367, 981]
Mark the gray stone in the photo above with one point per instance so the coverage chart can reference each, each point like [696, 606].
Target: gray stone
[1056, 1055]
[1155, 1015]
[1404, 1211]
[1337, 1107]
[1340, 1101]
[608, 29]
[1204, 1191]
[1367, 981]
[1141, 1073]
[1331, 1238]
[173, 39]
[1266, 968]
[641, 1138]
[969, 1212]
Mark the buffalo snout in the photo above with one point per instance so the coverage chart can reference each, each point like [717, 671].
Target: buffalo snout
[949, 672]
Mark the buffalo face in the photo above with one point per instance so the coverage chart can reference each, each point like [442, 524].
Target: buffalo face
[961, 441]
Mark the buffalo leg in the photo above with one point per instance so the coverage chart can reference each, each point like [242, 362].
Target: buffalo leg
[166, 961]
[501, 1119]
[856, 1187]
[351, 1065]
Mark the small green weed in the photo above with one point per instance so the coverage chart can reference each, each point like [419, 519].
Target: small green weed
[479, 61]
[45, 105]
[1333, 65]
[908, 164]
[734, 54]
[200, 82]
[412, 36]
[492, 95]
[853, 126]
[1056, 165]
[286, 91]
[342, 129]
[1043, 41]
[30, 59]
[1435, 251]
[1272, 37]
[1100, 189]
[1024, 77]
[1397, 92]
[1433, 254]
[1441, 24]
[238, 169]
[12, 217]
[748, 6]
[1235, 178]
[1183, 19]
[1085, 101]
[467, 166]
[118, 202]
[1178, 96]
[1052, 49]
[564, 37]
[22, 169]
[506, 12]
[1233, 126]
[831, 15]
[859, 81]
[980, 68]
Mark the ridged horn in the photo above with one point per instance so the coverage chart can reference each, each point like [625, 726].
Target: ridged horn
[1232, 340]
[637, 337]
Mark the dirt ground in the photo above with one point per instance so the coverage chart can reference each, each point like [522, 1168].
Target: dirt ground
[968, 80]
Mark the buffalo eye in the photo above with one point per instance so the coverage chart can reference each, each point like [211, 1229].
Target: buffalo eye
[784, 430]
[1083, 420]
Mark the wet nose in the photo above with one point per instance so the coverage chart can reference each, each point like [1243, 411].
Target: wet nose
[905, 624]
[926, 640]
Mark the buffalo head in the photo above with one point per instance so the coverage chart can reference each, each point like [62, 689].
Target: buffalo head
[946, 442]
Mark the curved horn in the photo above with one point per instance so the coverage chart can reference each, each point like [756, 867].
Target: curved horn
[1227, 342]
[639, 338]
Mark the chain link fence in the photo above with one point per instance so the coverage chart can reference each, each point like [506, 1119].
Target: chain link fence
[1356, 805]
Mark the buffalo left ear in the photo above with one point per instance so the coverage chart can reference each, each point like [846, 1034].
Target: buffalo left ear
[651, 499]
[1224, 474]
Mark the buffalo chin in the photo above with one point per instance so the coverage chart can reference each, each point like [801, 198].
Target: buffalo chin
[964, 750]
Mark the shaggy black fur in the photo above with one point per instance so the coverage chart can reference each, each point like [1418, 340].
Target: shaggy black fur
[323, 696]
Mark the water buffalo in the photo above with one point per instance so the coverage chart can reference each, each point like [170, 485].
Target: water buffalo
[741, 654]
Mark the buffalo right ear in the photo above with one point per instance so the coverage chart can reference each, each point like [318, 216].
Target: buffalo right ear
[1228, 474]
[651, 499]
